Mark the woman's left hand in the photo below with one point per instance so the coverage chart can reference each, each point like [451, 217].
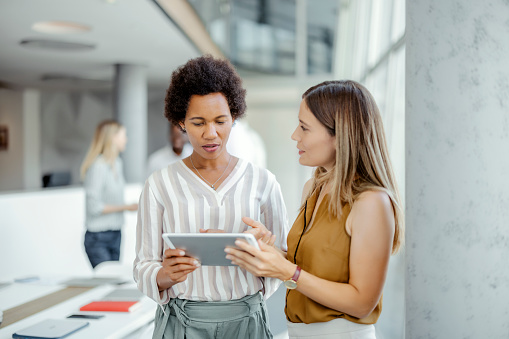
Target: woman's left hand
[264, 262]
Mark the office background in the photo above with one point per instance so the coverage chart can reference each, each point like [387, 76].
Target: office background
[448, 132]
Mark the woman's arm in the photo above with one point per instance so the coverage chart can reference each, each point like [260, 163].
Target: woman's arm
[154, 271]
[119, 208]
[372, 230]
[273, 213]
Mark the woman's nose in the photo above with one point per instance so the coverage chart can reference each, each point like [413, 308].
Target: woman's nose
[210, 131]
[294, 134]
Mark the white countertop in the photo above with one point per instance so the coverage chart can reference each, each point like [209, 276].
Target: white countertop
[112, 325]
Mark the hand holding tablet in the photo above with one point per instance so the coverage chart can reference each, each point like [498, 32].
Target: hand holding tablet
[208, 248]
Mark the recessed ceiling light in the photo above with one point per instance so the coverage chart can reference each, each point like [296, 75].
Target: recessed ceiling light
[55, 44]
[60, 27]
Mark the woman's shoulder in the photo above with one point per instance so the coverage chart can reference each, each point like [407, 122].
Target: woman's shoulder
[99, 163]
[173, 167]
[373, 196]
[261, 172]
[373, 201]
[371, 208]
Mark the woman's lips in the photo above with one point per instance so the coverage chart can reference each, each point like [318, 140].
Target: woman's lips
[300, 152]
[210, 148]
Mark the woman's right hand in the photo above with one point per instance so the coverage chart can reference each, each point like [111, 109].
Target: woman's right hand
[259, 231]
[176, 267]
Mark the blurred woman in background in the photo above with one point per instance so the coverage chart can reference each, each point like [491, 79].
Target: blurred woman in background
[103, 178]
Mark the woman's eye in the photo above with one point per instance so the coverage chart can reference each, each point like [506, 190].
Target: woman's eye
[303, 128]
[221, 122]
[197, 124]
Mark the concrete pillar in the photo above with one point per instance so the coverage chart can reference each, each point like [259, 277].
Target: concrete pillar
[32, 139]
[457, 169]
[130, 107]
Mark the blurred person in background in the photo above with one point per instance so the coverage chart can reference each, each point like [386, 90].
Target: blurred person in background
[210, 188]
[177, 148]
[351, 219]
[103, 180]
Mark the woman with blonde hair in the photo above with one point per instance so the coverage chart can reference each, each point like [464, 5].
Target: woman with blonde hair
[103, 180]
[351, 219]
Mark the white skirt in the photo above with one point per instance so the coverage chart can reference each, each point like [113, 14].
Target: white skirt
[335, 329]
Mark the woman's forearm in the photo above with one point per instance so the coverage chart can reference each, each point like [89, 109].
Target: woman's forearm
[107, 209]
[113, 209]
[338, 296]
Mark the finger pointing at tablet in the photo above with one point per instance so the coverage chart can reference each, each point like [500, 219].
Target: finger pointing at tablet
[259, 231]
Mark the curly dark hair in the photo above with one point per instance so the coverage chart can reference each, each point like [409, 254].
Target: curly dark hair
[201, 76]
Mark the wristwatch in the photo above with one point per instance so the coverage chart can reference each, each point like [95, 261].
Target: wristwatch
[292, 282]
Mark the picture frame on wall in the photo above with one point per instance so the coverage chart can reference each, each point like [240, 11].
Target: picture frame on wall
[4, 138]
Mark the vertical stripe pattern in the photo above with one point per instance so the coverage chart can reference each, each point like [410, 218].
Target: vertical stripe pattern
[176, 200]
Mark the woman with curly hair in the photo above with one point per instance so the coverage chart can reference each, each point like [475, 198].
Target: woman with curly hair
[350, 222]
[210, 188]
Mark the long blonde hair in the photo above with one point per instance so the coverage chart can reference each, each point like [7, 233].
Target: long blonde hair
[349, 112]
[102, 144]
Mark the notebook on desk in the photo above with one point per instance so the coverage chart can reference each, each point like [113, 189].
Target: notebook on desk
[51, 329]
[111, 306]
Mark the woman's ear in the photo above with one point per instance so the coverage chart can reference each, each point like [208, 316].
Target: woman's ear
[182, 126]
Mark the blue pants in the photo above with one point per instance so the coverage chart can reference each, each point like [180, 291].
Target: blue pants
[102, 246]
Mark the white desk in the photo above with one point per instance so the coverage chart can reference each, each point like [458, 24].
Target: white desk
[112, 325]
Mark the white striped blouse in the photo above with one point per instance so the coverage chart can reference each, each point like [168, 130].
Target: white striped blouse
[176, 200]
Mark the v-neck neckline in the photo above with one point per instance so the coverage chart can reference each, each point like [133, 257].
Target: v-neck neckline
[315, 206]
[231, 177]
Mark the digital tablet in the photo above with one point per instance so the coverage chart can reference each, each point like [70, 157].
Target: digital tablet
[208, 248]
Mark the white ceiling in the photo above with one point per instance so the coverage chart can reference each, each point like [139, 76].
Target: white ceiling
[127, 31]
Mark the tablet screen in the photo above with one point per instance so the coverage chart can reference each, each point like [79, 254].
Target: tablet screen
[208, 248]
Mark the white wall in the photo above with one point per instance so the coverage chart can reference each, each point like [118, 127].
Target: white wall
[69, 119]
[68, 122]
[41, 233]
[32, 139]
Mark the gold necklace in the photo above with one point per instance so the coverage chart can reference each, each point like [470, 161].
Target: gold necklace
[211, 185]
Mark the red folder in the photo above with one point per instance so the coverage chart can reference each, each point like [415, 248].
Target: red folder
[111, 306]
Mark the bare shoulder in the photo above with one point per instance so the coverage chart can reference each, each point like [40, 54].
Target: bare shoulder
[371, 209]
[373, 199]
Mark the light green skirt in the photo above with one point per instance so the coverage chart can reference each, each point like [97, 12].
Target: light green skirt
[187, 319]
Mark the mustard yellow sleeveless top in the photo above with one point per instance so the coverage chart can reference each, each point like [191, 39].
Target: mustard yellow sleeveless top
[324, 251]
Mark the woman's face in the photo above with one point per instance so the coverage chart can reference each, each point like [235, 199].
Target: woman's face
[208, 124]
[316, 146]
[120, 139]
